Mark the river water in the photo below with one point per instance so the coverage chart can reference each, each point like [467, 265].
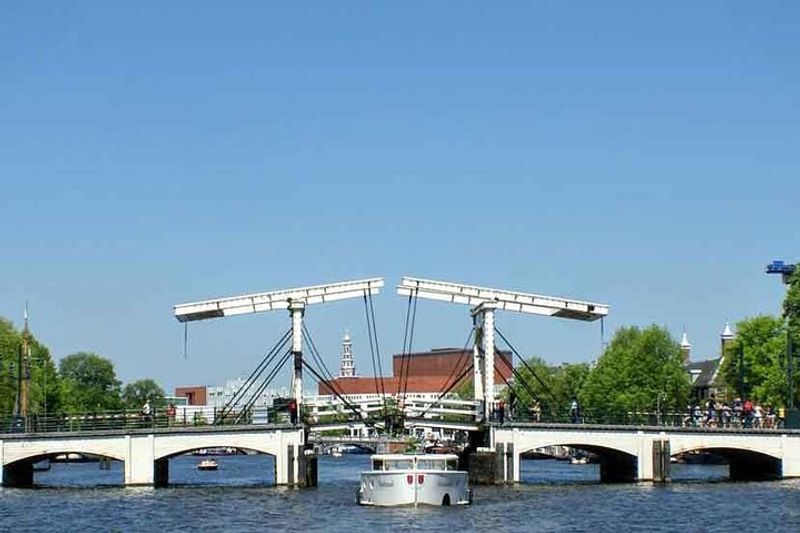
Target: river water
[555, 496]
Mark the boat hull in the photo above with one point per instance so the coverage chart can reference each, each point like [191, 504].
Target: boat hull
[413, 487]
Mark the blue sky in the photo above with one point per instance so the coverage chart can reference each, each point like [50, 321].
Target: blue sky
[640, 155]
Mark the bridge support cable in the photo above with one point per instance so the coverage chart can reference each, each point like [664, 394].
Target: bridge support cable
[315, 352]
[408, 342]
[264, 384]
[522, 383]
[456, 375]
[458, 368]
[377, 347]
[557, 405]
[255, 374]
[323, 374]
[344, 401]
[372, 353]
[558, 402]
[444, 393]
[405, 343]
[330, 382]
[321, 379]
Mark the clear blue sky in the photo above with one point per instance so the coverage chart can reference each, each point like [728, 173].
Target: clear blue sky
[637, 154]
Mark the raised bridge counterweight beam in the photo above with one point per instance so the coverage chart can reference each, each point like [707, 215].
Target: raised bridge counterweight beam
[274, 300]
[519, 302]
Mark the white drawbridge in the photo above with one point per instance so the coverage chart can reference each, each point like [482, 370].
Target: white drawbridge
[295, 300]
[484, 302]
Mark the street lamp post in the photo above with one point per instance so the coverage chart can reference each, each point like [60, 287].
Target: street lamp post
[741, 372]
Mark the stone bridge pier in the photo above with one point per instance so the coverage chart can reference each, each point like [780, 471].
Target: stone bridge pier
[146, 454]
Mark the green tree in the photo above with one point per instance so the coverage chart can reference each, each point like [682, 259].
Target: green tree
[552, 387]
[568, 380]
[791, 312]
[9, 351]
[44, 382]
[640, 371]
[89, 383]
[135, 394]
[534, 384]
[762, 374]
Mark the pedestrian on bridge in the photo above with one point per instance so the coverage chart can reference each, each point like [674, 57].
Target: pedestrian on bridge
[747, 413]
[171, 410]
[574, 411]
[711, 412]
[146, 412]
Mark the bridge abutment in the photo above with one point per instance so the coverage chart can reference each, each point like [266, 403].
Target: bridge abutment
[299, 469]
[18, 475]
[662, 461]
[308, 469]
[753, 467]
[161, 472]
[618, 467]
[140, 467]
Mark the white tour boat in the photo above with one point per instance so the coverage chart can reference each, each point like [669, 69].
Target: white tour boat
[428, 479]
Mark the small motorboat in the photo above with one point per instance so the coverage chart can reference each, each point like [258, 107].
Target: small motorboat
[429, 479]
[336, 453]
[208, 464]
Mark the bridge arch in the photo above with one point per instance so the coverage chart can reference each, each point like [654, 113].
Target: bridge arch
[618, 463]
[169, 448]
[19, 471]
[745, 463]
[36, 455]
[177, 450]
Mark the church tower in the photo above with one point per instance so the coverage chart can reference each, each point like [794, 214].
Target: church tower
[686, 348]
[725, 338]
[348, 366]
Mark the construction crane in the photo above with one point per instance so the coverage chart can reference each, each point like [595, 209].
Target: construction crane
[782, 268]
[295, 300]
[484, 302]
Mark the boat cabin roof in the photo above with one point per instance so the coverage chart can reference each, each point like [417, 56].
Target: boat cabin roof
[405, 457]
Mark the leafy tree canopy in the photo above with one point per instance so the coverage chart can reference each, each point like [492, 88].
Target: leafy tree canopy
[89, 383]
[552, 387]
[135, 394]
[44, 382]
[791, 310]
[762, 374]
[640, 371]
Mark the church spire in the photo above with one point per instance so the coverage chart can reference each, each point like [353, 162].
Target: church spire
[348, 365]
[686, 347]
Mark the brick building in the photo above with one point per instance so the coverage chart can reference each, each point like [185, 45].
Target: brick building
[194, 395]
[428, 372]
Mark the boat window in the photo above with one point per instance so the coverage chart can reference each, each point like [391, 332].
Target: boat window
[430, 464]
[400, 464]
[452, 464]
[377, 464]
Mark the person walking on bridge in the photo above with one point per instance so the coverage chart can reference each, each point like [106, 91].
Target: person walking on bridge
[147, 411]
[574, 411]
